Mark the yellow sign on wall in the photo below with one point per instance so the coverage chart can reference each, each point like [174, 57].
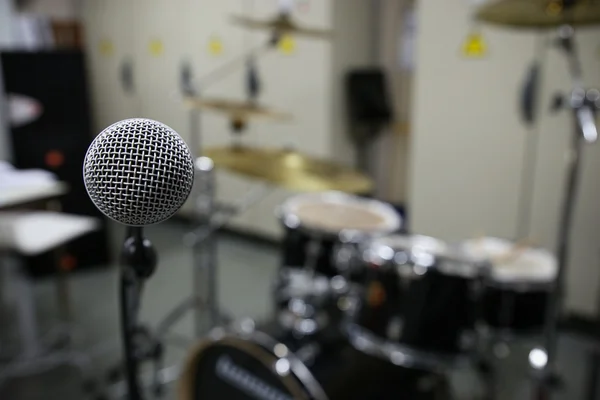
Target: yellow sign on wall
[106, 47]
[215, 46]
[287, 45]
[156, 47]
[474, 46]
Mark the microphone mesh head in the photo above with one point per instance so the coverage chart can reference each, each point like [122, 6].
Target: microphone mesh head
[138, 172]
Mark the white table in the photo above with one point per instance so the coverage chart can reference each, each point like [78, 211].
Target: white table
[18, 196]
[15, 197]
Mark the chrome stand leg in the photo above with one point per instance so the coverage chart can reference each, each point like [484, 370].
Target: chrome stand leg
[204, 251]
[26, 312]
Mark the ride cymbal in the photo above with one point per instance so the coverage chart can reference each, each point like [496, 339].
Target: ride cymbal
[237, 109]
[289, 169]
[282, 24]
[540, 13]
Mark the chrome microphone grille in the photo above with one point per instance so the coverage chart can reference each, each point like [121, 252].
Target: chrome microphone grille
[138, 172]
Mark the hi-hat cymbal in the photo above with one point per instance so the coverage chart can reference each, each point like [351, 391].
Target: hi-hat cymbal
[237, 109]
[282, 24]
[540, 13]
[289, 169]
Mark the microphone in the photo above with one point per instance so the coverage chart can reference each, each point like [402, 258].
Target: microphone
[138, 172]
[529, 94]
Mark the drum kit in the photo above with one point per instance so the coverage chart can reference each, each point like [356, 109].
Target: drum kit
[364, 309]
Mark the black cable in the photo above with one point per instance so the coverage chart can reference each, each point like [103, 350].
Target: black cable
[127, 293]
[530, 153]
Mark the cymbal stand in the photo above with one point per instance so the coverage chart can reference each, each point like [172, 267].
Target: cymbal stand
[203, 195]
[584, 105]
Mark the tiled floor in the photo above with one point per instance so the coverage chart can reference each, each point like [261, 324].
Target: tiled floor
[245, 273]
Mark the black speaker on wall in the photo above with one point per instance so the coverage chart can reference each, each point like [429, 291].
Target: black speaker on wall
[368, 97]
[56, 140]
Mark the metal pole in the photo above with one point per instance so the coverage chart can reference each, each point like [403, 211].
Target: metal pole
[564, 234]
[204, 251]
[582, 133]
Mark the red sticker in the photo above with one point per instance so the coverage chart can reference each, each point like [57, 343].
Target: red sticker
[54, 159]
[67, 263]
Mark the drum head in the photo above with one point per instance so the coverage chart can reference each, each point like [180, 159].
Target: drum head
[510, 265]
[232, 367]
[335, 212]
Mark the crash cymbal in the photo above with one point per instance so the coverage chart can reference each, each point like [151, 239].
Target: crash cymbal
[237, 109]
[282, 24]
[540, 13]
[289, 169]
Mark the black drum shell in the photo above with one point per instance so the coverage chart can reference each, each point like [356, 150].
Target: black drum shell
[513, 309]
[437, 311]
[294, 251]
[341, 371]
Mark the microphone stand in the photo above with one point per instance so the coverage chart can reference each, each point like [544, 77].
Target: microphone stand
[584, 106]
[138, 263]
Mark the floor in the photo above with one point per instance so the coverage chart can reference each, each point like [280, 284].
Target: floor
[246, 269]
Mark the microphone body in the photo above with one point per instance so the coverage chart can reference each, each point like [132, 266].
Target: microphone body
[137, 172]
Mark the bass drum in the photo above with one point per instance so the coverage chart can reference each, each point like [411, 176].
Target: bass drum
[252, 364]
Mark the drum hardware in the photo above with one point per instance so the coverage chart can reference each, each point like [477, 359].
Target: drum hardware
[516, 290]
[310, 281]
[540, 14]
[415, 306]
[273, 355]
[289, 169]
[262, 362]
[584, 108]
[281, 25]
[564, 15]
[239, 112]
[400, 355]
[305, 313]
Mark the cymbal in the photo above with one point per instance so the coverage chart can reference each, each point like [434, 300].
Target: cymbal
[540, 13]
[289, 169]
[282, 24]
[237, 109]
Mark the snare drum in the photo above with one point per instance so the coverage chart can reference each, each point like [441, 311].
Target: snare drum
[269, 364]
[518, 287]
[416, 305]
[313, 224]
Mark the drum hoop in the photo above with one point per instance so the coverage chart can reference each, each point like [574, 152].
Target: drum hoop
[385, 349]
[443, 263]
[260, 346]
[393, 222]
[521, 281]
[521, 286]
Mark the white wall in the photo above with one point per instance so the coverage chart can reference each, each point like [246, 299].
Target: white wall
[468, 143]
[307, 83]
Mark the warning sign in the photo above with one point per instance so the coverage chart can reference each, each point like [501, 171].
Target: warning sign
[156, 47]
[474, 46]
[287, 45]
[215, 46]
[106, 47]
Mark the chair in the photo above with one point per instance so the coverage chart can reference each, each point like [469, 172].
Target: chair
[26, 233]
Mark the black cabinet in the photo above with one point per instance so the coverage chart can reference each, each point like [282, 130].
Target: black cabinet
[57, 140]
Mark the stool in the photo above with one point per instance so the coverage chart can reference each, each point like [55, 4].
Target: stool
[27, 233]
